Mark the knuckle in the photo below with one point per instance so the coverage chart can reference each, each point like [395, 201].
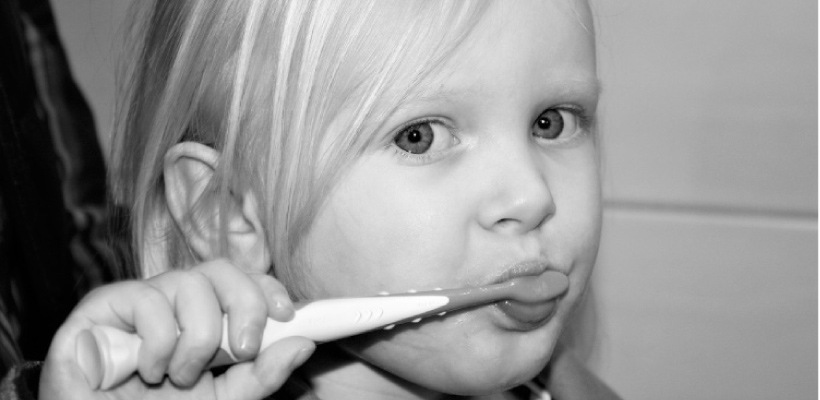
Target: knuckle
[215, 264]
[170, 275]
[268, 284]
[197, 279]
[182, 281]
[92, 297]
[151, 297]
[267, 280]
[113, 289]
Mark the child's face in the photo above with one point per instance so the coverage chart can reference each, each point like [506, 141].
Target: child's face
[495, 190]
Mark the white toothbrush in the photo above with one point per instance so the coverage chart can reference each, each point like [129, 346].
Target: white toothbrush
[107, 355]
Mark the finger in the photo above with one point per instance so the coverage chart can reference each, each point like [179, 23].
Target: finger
[244, 303]
[267, 373]
[280, 307]
[136, 307]
[199, 318]
[61, 376]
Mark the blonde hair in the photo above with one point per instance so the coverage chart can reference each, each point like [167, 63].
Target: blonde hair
[262, 81]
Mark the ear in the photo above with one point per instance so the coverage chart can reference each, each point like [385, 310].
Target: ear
[188, 170]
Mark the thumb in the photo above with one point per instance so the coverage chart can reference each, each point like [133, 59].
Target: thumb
[267, 373]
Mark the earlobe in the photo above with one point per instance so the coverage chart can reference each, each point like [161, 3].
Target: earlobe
[188, 170]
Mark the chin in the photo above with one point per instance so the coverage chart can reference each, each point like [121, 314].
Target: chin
[463, 355]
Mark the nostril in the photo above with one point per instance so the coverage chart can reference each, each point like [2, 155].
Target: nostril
[518, 206]
[505, 222]
[518, 225]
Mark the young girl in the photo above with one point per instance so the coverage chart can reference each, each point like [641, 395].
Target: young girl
[278, 150]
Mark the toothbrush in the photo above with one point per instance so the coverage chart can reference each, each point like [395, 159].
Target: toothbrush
[107, 355]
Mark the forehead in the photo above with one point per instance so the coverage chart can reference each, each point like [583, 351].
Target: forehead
[540, 44]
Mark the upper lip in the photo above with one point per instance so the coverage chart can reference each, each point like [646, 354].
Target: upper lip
[532, 267]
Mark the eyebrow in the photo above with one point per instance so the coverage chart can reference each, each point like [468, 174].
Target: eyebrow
[581, 87]
[574, 87]
[430, 95]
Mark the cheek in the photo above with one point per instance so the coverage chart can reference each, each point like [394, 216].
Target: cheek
[576, 227]
[375, 233]
[576, 188]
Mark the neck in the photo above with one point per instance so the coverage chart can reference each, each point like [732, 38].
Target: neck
[335, 374]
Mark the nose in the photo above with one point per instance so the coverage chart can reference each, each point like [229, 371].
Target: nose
[518, 194]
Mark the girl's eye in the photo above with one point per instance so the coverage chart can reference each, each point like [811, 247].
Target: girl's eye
[554, 123]
[424, 136]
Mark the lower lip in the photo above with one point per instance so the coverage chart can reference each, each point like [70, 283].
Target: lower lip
[528, 316]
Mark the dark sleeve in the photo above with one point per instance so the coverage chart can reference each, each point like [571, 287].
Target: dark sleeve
[21, 382]
[54, 244]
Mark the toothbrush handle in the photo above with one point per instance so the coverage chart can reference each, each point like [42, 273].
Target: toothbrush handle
[107, 356]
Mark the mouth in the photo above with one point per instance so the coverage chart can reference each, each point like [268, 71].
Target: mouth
[541, 292]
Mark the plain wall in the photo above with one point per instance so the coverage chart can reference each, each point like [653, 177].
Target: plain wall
[707, 276]
[706, 285]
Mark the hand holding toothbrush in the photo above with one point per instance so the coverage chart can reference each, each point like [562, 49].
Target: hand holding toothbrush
[107, 355]
[179, 317]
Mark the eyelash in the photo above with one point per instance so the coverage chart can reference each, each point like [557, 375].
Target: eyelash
[584, 124]
[423, 158]
[583, 119]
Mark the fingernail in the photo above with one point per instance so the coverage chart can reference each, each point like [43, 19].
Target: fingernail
[157, 372]
[301, 356]
[249, 338]
[185, 374]
[284, 309]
